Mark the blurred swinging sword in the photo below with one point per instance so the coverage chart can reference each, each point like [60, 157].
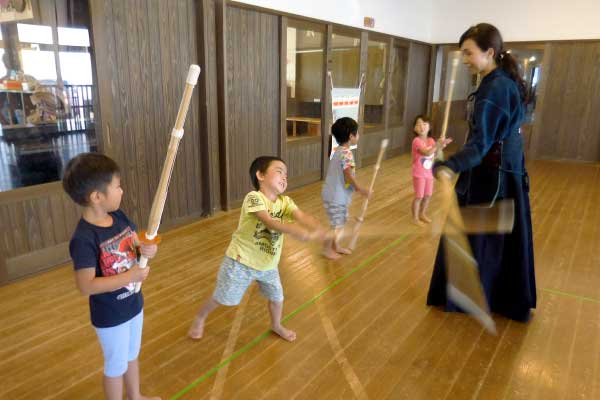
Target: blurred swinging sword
[463, 285]
[476, 219]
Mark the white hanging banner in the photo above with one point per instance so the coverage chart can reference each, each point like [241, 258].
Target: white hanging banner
[344, 103]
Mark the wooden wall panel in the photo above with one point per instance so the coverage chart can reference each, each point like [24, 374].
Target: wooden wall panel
[33, 220]
[144, 50]
[303, 159]
[252, 93]
[396, 135]
[417, 88]
[569, 121]
[526, 131]
[369, 144]
[397, 74]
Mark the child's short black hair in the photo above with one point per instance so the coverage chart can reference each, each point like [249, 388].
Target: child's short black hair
[86, 173]
[425, 119]
[261, 164]
[343, 128]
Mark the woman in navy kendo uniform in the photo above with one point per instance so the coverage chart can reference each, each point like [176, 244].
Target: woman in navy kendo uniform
[492, 167]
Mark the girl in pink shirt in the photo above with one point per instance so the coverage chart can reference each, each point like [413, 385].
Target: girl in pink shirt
[423, 152]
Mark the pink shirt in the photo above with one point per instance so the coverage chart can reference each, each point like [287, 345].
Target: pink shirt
[421, 165]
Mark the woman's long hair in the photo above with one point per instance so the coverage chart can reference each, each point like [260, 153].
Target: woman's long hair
[487, 36]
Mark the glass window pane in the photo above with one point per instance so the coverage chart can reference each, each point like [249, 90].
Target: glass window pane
[47, 97]
[39, 64]
[34, 33]
[375, 89]
[398, 89]
[345, 66]
[76, 68]
[530, 62]
[304, 77]
[73, 37]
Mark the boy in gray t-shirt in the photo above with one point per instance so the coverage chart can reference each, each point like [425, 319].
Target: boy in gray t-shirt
[340, 181]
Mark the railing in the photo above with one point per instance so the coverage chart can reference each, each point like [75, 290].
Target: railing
[79, 107]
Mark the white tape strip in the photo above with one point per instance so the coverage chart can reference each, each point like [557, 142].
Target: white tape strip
[178, 133]
[149, 236]
[193, 74]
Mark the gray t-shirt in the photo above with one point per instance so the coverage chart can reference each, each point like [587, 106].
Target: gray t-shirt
[335, 190]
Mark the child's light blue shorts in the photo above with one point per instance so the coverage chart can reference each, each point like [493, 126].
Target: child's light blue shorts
[121, 344]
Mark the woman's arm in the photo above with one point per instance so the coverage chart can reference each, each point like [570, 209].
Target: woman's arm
[489, 117]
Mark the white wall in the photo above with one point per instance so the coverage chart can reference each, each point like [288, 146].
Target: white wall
[518, 20]
[405, 18]
[443, 21]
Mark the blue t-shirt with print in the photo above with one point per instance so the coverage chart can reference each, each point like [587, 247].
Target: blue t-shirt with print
[335, 189]
[111, 251]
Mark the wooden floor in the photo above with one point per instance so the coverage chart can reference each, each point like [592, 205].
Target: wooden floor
[363, 328]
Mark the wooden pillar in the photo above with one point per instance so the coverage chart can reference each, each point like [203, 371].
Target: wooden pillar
[221, 29]
[326, 116]
[208, 106]
[431, 84]
[388, 87]
[364, 48]
[282, 142]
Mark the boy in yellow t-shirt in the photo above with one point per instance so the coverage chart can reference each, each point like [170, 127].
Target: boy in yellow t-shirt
[255, 248]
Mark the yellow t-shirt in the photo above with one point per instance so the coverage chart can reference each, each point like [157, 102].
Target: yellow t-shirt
[253, 244]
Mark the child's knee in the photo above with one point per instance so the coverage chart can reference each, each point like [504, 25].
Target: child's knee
[272, 290]
[120, 345]
[115, 366]
[228, 298]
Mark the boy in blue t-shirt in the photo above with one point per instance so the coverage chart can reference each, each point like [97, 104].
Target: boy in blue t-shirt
[103, 249]
[340, 181]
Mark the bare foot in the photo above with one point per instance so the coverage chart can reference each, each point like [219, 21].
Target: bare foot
[425, 219]
[197, 329]
[343, 250]
[329, 253]
[286, 334]
[418, 223]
